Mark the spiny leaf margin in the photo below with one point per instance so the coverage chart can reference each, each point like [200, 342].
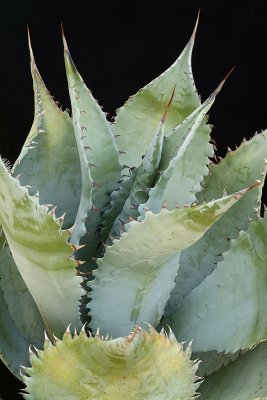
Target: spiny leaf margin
[42, 254]
[143, 365]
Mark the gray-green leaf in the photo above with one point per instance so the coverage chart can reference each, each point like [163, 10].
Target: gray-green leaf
[21, 324]
[137, 120]
[244, 379]
[41, 253]
[99, 159]
[49, 161]
[240, 168]
[213, 314]
[136, 275]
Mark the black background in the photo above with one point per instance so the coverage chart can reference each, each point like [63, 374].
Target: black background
[120, 46]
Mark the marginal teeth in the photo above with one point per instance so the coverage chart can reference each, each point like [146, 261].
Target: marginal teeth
[46, 337]
[68, 330]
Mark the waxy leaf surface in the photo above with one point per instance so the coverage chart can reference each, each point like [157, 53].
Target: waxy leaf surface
[139, 269]
[49, 161]
[21, 324]
[144, 365]
[41, 253]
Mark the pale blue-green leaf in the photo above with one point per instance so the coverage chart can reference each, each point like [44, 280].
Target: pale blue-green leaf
[49, 161]
[185, 157]
[20, 321]
[237, 169]
[227, 311]
[244, 379]
[41, 253]
[118, 198]
[98, 154]
[144, 180]
[212, 361]
[136, 275]
[137, 121]
[240, 168]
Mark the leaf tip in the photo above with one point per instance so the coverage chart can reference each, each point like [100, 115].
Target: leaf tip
[33, 64]
[66, 49]
[192, 39]
[219, 87]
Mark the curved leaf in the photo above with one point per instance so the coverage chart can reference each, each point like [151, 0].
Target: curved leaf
[20, 321]
[138, 270]
[118, 198]
[144, 180]
[227, 311]
[212, 361]
[244, 379]
[41, 253]
[144, 365]
[185, 157]
[49, 161]
[138, 119]
[98, 154]
[240, 168]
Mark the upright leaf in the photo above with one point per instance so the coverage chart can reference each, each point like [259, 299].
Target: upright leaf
[41, 253]
[49, 161]
[138, 119]
[117, 201]
[184, 161]
[138, 270]
[21, 324]
[98, 154]
[239, 168]
[144, 180]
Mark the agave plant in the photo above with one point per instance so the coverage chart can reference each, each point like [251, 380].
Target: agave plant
[107, 225]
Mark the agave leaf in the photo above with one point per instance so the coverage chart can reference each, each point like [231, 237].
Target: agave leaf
[144, 179]
[213, 314]
[144, 365]
[118, 198]
[98, 152]
[212, 361]
[239, 168]
[49, 161]
[137, 121]
[20, 321]
[138, 270]
[244, 379]
[41, 253]
[180, 177]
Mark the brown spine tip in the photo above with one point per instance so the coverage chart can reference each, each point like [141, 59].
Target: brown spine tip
[192, 39]
[64, 38]
[242, 192]
[257, 183]
[163, 119]
[229, 73]
[219, 87]
[62, 29]
[33, 65]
